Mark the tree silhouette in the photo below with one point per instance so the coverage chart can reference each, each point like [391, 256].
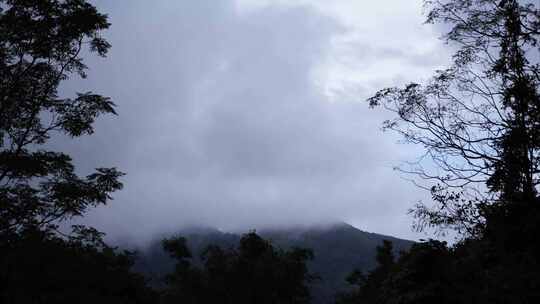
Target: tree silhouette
[478, 120]
[41, 42]
[255, 272]
[368, 287]
[40, 45]
[424, 274]
[43, 268]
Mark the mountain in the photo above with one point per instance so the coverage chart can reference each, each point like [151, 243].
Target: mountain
[338, 248]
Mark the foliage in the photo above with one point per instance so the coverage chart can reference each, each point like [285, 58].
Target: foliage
[421, 275]
[338, 248]
[41, 42]
[254, 272]
[472, 271]
[41, 268]
[479, 122]
[40, 45]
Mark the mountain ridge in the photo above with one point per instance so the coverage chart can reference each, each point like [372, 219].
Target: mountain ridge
[339, 249]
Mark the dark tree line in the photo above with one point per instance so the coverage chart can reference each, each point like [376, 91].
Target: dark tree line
[255, 272]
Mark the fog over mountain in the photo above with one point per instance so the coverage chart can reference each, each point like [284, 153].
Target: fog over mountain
[338, 249]
[252, 114]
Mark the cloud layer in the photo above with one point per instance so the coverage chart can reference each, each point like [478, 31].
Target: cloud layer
[249, 114]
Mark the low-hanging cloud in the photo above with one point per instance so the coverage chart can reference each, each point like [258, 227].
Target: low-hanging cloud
[244, 116]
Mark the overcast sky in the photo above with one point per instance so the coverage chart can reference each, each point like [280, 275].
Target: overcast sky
[246, 114]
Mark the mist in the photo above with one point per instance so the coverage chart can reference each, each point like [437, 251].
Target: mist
[251, 114]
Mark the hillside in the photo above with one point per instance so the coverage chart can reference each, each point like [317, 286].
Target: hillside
[338, 249]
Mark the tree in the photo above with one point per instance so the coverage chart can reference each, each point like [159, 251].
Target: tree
[255, 272]
[186, 283]
[479, 119]
[424, 274]
[40, 45]
[41, 42]
[367, 288]
[43, 268]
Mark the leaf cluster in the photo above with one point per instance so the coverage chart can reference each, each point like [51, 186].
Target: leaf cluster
[254, 272]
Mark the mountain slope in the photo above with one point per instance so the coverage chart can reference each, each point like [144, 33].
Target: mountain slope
[338, 249]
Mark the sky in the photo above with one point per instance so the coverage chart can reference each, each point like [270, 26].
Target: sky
[251, 114]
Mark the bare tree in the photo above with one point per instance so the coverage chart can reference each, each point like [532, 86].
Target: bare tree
[478, 120]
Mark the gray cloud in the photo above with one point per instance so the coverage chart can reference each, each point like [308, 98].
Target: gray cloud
[222, 122]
